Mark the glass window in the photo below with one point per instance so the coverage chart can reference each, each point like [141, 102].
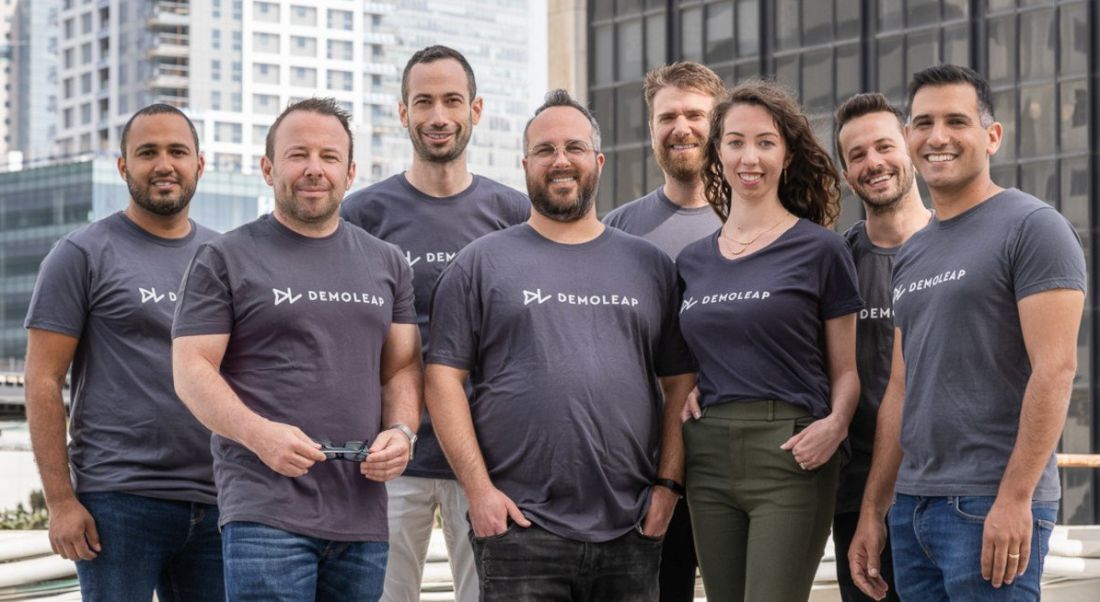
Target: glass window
[817, 23]
[1004, 109]
[922, 12]
[602, 10]
[1040, 179]
[691, 34]
[1075, 40]
[890, 15]
[1001, 46]
[603, 107]
[1003, 175]
[655, 41]
[786, 72]
[629, 175]
[1037, 120]
[999, 5]
[605, 55]
[630, 122]
[747, 70]
[719, 32]
[787, 25]
[847, 72]
[847, 19]
[1037, 41]
[605, 198]
[955, 9]
[817, 81]
[1074, 116]
[891, 71]
[956, 45]
[630, 43]
[921, 50]
[653, 175]
[748, 27]
[1075, 192]
[627, 6]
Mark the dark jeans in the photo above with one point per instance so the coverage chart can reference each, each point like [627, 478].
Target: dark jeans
[266, 564]
[678, 561]
[172, 547]
[844, 528]
[535, 565]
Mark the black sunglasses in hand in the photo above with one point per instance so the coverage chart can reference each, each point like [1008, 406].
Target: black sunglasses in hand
[352, 451]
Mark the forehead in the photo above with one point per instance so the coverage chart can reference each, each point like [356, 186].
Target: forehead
[948, 98]
[672, 98]
[865, 129]
[749, 120]
[443, 75]
[161, 129]
[312, 130]
[558, 124]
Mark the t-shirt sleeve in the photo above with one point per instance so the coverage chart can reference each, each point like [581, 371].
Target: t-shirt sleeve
[1047, 255]
[839, 286]
[205, 303]
[455, 320]
[521, 206]
[404, 307]
[61, 296]
[673, 356]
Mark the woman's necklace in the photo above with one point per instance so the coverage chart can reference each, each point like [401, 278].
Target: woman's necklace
[746, 245]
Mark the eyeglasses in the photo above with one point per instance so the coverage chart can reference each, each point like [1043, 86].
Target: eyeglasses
[575, 150]
[352, 451]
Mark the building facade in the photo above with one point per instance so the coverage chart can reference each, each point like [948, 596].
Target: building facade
[1042, 58]
[34, 83]
[40, 205]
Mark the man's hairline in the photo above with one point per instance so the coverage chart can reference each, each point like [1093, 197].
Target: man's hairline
[591, 133]
[901, 129]
[192, 141]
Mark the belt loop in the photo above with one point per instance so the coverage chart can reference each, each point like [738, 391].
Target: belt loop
[771, 410]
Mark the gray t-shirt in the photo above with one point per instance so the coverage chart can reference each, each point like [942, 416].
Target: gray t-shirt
[306, 318]
[431, 231]
[113, 285]
[956, 287]
[756, 324]
[874, 347]
[664, 223]
[564, 344]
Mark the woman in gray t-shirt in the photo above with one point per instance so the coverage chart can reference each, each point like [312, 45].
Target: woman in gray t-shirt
[769, 312]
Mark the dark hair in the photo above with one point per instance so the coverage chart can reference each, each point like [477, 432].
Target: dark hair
[561, 98]
[858, 106]
[156, 109]
[943, 75]
[321, 106]
[685, 75]
[810, 188]
[432, 54]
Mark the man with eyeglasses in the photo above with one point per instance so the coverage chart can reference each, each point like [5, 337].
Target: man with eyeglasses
[570, 332]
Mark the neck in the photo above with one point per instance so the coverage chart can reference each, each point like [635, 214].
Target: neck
[309, 229]
[950, 202]
[892, 228]
[746, 216]
[568, 233]
[685, 193]
[164, 226]
[439, 179]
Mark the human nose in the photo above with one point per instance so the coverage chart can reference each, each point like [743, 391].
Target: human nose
[938, 136]
[561, 156]
[162, 163]
[438, 114]
[313, 166]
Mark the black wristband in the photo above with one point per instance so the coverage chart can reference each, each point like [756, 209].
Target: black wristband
[675, 487]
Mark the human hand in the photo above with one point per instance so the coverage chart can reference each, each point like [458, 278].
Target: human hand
[285, 449]
[817, 443]
[389, 454]
[1006, 541]
[691, 406]
[662, 503]
[865, 557]
[73, 535]
[490, 510]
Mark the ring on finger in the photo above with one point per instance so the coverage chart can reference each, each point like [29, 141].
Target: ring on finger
[1015, 556]
[802, 465]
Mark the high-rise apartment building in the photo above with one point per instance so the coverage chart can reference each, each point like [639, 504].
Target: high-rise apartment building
[33, 80]
[7, 16]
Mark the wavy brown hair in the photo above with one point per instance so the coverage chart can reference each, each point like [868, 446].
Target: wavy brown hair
[811, 187]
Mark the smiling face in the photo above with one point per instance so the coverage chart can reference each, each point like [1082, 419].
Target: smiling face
[678, 131]
[878, 170]
[752, 151]
[949, 145]
[310, 170]
[161, 166]
[562, 168]
[440, 115]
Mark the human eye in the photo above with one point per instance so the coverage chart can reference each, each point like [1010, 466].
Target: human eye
[576, 148]
[543, 151]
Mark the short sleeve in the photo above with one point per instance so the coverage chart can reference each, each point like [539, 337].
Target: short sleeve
[840, 285]
[205, 303]
[455, 320]
[61, 298]
[673, 356]
[404, 308]
[1047, 255]
[521, 208]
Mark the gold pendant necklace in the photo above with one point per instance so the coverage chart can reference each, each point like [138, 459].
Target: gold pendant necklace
[746, 245]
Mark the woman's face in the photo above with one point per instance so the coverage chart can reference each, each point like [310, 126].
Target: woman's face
[752, 151]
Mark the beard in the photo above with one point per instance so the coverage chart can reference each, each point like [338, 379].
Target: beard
[886, 203]
[686, 166]
[563, 210]
[301, 212]
[148, 199]
[445, 154]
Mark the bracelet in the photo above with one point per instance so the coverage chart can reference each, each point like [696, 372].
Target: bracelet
[670, 484]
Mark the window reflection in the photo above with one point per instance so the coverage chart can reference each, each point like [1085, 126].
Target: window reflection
[719, 32]
[691, 34]
[629, 175]
[891, 72]
[630, 44]
[1075, 115]
[1037, 39]
[1001, 46]
[1037, 120]
[1004, 109]
[1074, 39]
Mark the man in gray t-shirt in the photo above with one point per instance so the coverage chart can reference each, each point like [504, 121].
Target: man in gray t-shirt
[680, 97]
[291, 330]
[132, 498]
[565, 327]
[987, 306]
[431, 212]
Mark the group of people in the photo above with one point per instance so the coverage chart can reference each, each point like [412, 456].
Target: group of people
[709, 375]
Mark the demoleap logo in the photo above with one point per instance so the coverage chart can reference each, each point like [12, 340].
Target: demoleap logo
[537, 296]
[151, 294]
[410, 259]
[287, 296]
[688, 304]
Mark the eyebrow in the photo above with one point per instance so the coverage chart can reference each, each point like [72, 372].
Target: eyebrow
[955, 115]
[154, 145]
[761, 135]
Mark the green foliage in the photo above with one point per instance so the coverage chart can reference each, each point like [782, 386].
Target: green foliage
[21, 519]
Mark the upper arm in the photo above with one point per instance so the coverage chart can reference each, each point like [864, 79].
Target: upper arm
[436, 375]
[49, 355]
[1050, 321]
[401, 350]
[840, 344]
[189, 350]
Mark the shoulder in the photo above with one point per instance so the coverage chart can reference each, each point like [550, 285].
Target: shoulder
[856, 233]
[94, 234]
[202, 233]
[624, 214]
[819, 236]
[376, 193]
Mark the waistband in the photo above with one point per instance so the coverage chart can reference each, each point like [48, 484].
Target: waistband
[763, 409]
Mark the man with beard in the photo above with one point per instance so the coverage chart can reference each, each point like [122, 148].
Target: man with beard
[293, 329]
[431, 212]
[132, 498]
[878, 169]
[680, 97]
[570, 333]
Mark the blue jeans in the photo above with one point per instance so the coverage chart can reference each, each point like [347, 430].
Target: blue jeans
[533, 565]
[265, 563]
[937, 545]
[172, 547]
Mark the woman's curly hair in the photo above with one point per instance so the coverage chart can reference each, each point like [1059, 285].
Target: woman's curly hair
[811, 187]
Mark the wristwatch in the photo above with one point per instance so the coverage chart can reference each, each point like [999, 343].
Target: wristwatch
[408, 432]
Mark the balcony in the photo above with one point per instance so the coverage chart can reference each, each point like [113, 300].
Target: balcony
[169, 15]
[174, 46]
